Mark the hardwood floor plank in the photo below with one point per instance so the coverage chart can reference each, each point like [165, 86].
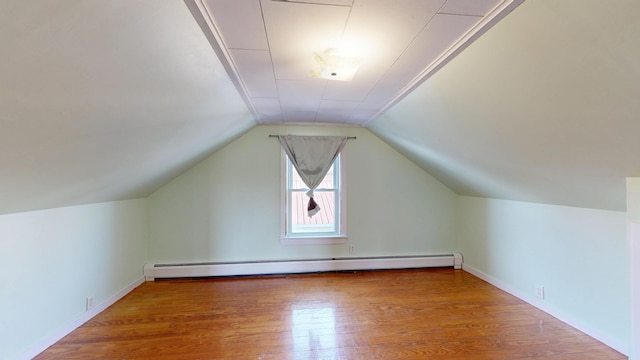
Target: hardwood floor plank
[393, 314]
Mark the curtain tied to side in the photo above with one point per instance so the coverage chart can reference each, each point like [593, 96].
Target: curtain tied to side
[312, 157]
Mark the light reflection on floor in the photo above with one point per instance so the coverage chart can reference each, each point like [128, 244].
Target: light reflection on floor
[314, 330]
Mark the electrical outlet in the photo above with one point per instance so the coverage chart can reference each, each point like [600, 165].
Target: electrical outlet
[352, 248]
[89, 303]
[540, 291]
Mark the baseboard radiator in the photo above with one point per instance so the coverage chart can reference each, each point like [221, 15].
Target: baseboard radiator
[166, 271]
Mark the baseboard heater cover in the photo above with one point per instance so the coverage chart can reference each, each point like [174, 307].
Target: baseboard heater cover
[164, 271]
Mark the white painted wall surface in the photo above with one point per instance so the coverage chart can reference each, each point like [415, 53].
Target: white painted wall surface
[634, 244]
[579, 255]
[633, 233]
[227, 208]
[52, 260]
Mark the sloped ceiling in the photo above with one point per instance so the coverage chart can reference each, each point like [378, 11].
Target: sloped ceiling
[108, 100]
[543, 108]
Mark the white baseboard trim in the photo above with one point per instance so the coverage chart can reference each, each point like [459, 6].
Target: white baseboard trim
[159, 271]
[605, 339]
[66, 330]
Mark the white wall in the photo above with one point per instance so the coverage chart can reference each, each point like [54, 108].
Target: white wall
[227, 208]
[580, 256]
[633, 233]
[52, 260]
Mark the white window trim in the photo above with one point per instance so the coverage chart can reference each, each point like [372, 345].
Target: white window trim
[341, 238]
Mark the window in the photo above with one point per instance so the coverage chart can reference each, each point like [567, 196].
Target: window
[328, 225]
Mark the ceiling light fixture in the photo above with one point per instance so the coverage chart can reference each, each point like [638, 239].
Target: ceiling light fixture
[334, 64]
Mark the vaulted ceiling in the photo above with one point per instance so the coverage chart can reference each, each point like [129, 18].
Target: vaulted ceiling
[108, 100]
[270, 49]
[542, 108]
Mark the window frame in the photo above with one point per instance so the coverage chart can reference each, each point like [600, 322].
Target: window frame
[287, 238]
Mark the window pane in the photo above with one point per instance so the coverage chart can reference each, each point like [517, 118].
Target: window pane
[296, 181]
[326, 223]
[327, 182]
[323, 221]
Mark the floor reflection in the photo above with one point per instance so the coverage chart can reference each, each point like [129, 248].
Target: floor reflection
[314, 330]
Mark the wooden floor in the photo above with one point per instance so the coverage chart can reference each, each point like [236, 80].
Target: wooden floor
[394, 314]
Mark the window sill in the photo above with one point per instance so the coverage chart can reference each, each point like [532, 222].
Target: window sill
[314, 240]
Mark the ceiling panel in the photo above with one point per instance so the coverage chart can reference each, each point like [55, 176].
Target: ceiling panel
[435, 39]
[342, 118]
[241, 21]
[348, 90]
[322, 2]
[334, 118]
[268, 109]
[299, 116]
[328, 107]
[379, 94]
[358, 118]
[380, 30]
[469, 7]
[296, 95]
[256, 71]
[298, 30]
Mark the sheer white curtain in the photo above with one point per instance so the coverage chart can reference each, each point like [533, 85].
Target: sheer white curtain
[312, 156]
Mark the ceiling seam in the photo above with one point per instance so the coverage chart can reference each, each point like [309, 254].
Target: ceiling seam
[326, 83]
[313, 3]
[273, 70]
